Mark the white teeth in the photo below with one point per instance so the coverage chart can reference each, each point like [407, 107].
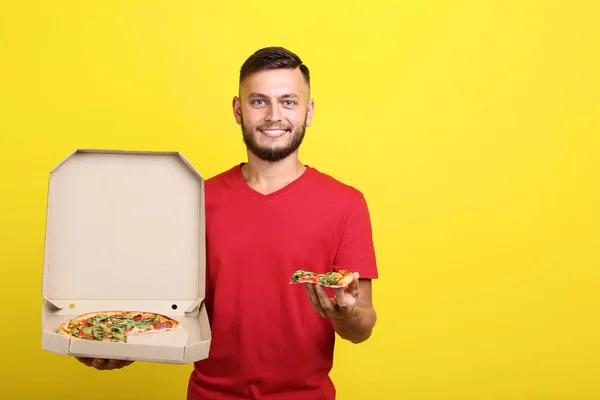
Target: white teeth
[274, 133]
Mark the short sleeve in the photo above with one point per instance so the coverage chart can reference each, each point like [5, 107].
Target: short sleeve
[356, 250]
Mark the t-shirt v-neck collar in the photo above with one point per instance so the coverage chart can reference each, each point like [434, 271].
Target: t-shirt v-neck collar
[243, 185]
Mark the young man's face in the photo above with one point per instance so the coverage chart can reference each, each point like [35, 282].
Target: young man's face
[274, 110]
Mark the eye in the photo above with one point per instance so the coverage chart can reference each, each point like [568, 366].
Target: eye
[258, 102]
[290, 103]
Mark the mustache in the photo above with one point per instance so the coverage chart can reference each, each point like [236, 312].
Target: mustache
[273, 126]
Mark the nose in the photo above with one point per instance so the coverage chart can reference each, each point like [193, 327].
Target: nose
[274, 113]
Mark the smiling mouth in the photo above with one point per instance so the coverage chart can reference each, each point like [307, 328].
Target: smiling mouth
[274, 132]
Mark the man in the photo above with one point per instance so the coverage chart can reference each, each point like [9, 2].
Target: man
[265, 219]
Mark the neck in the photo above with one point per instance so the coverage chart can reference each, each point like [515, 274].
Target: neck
[267, 177]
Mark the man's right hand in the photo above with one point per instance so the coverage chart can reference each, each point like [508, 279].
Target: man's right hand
[103, 364]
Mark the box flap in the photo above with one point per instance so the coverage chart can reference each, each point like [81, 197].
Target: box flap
[124, 225]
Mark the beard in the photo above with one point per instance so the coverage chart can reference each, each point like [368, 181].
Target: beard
[276, 153]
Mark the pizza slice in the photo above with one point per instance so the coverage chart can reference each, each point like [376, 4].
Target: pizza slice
[333, 279]
[115, 326]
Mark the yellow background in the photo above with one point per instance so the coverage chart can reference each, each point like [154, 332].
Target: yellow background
[472, 127]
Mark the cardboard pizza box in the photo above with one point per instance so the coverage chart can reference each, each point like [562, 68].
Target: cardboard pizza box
[125, 231]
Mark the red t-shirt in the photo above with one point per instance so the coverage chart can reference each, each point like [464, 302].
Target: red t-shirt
[267, 341]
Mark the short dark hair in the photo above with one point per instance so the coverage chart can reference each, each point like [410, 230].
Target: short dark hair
[273, 58]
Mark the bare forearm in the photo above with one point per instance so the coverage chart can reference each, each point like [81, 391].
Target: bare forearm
[356, 326]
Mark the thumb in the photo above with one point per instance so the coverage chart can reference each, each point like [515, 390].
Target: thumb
[354, 285]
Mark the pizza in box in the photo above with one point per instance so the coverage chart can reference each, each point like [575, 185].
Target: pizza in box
[116, 326]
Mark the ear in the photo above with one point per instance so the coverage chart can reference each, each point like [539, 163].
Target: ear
[309, 112]
[237, 109]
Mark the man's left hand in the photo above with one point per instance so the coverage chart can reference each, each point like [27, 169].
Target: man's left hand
[338, 307]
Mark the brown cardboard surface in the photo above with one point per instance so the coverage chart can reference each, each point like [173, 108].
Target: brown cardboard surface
[125, 231]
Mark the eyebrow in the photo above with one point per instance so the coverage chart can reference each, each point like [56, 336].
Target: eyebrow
[262, 96]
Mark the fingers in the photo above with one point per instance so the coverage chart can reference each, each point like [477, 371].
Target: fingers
[86, 361]
[347, 296]
[314, 299]
[343, 302]
[117, 364]
[354, 286]
[102, 364]
[344, 299]
[324, 300]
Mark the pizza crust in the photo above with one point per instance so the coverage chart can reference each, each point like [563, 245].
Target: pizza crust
[347, 278]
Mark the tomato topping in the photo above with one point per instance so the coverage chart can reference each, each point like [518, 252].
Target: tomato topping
[162, 325]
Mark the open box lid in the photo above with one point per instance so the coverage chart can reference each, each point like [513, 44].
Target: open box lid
[125, 225]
